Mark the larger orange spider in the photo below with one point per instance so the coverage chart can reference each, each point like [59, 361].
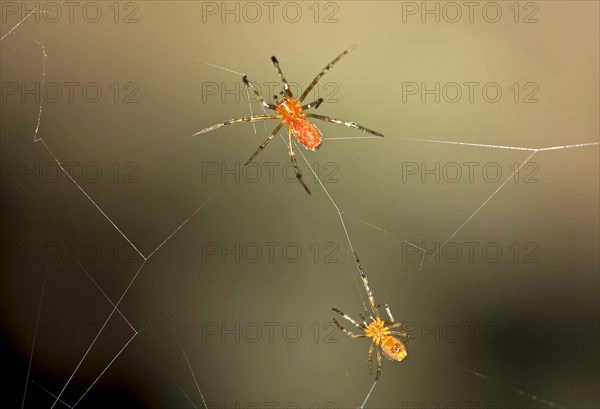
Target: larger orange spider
[378, 330]
[291, 111]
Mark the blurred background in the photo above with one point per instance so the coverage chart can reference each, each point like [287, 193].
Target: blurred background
[225, 275]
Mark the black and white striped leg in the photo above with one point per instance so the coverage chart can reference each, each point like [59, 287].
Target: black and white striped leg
[403, 334]
[344, 123]
[378, 366]
[314, 104]
[364, 320]
[363, 276]
[345, 331]
[276, 98]
[265, 143]
[236, 121]
[294, 163]
[348, 318]
[368, 315]
[286, 86]
[324, 71]
[259, 97]
[370, 359]
[387, 310]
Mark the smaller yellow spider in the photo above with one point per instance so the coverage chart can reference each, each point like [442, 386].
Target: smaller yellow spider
[378, 330]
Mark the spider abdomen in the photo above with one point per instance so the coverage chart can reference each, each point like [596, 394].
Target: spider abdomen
[307, 133]
[393, 348]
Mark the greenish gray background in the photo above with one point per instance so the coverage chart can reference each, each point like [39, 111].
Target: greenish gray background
[543, 299]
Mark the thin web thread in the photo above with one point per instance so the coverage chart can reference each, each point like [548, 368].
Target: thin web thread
[517, 390]
[533, 152]
[337, 209]
[145, 258]
[96, 338]
[37, 323]
[478, 209]
[36, 139]
[313, 172]
[106, 368]
[341, 217]
[368, 395]
[35, 10]
[70, 253]
[178, 338]
[121, 298]
[514, 148]
[110, 364]
[169, 374]
[50, 393]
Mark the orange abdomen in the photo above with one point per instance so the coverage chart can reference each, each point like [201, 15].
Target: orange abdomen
[393, 349]
[307, 133]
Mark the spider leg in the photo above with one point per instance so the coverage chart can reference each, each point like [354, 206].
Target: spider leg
[236, 121]
[364, 320]
[293, 159]
[403, 334]
[378, 366]
[265, 143]
[370, 360]
[286, 86]
[348, 318]
[259, 97]
[389, 313]
[314, 104]
[366, 284]
[345, 331]
[324, 71]
[345, 123]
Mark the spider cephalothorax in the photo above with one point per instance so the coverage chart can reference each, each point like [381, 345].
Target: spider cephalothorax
[290, 111]
[391, 343]
[306, 132]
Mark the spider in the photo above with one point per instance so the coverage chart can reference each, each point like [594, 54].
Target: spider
[378, 330]
[290, 111]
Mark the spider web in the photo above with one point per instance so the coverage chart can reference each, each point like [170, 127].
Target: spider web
[114, 298]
